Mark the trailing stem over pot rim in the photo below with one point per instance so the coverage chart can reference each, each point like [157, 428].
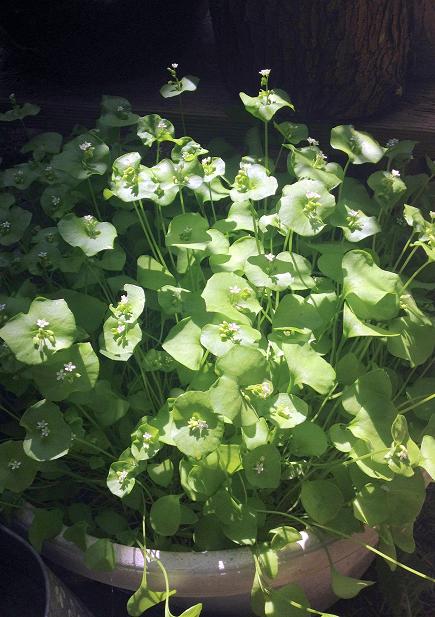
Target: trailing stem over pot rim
[201, 352]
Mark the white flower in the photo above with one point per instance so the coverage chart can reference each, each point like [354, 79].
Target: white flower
[120, 108]
[259, 467]
[48, 168]
[353, 213]
[42, 426]
[14, 464]
[55, 200]
[89, 218]
[270, 257]
[2, 307]
[60, 375]
[312, 141]
[202, 425]
[395, 173]
[264, 72]
[5, 226]
[85, 145]
[69, 367]
[174, 65]
[146, 436]
[392, 142]
[312, 195]
[233, 327]
[234, 290]
[122, 476]
[266, 388]
[42, 254]
[124, 299]
[120, 329]
[42, 323]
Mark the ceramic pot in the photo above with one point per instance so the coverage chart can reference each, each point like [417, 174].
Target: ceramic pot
[222, 580]
[27, 579]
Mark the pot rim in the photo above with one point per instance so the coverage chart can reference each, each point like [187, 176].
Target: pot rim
[132, 556]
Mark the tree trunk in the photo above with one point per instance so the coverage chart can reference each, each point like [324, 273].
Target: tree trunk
[336, 58]
[422, 52]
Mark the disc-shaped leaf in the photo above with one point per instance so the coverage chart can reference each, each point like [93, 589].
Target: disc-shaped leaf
[308, 439]
[48, 327]
[48, 436]
[183, 344]
[372, 293]
[13, 224]
[253, 182]
[83, 157]
[69, 370]
[218, 339]
[287, 410]
[266, 104]
[279, 272]
[197, 429]
[306, 366]
[345, 586]
[263, 466]
[322, 499]
[310, 162]
[305, 207]
[360, 147]
[415, 342]
[232, 296]
[246, 365]
[188, 231]
[116, 112]
[165, 515]
[87, 233]
[17, 471]
[100, 556]
[188, 83]
[153, 128]
[227, 401]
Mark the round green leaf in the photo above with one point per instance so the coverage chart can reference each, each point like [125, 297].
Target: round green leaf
[322, 499]
[17, 471]
[231, 296]
[305, 207]
[87, 233]
[48, 436]
[165, 515]
[263, 466]
[360, 147]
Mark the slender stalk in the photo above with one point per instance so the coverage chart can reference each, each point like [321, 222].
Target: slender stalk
[94, 201]
[416, 273]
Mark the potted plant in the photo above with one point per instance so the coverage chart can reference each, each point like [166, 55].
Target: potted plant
[203, 354]
[342, 60]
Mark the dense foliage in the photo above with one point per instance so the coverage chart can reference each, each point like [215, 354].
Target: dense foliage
[200, 351]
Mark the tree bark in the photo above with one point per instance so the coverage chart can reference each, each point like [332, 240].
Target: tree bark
[336, 58]
[422, 61]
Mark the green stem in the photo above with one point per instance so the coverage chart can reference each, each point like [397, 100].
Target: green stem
[182, 114]
[352, 539]
[183, 209]
[158, 153]
[416, 273]
[255, 223]
[94, 201]
[408, 259]
[405, 248]
[422, 402]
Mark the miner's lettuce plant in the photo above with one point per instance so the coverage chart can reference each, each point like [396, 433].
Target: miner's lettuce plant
[202, 352]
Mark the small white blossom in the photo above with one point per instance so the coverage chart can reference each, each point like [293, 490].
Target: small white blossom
[5, 226]
[353, 213]
[120, 329]
[202, 425]
[2, 307]
[146, 436]
[14, 464]
[60, 375]
[48, 168]
[42, 426]
[124, 300]
[264, 72]
[42, 323]
[120, 108]
[270, 257]
[89, 218]
[392, 142]
[42, 254]
[55, 200]
[234, 290]
[259, 467]
[266, 388]
[174, 65]
[312, 141]
[395, 173]
[312, 195]
[69, 367]
[233, 327]
[85, 145]
[122, 476]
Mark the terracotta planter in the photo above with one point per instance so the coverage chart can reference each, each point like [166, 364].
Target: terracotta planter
[42, 593]
[222, 580]
[337, 59]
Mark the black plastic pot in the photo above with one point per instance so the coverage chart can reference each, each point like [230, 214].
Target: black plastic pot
[338, 59]
[27, 587]
[88, 39]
